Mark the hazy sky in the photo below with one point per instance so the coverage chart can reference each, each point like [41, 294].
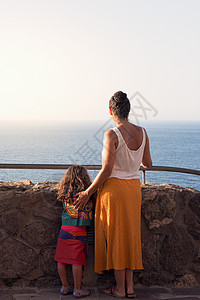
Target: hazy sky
[62, 60]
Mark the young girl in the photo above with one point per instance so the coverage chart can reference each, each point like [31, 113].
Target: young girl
[72, 246]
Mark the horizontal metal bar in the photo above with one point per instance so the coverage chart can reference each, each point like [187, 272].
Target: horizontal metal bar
[95, 167]
[172, 169]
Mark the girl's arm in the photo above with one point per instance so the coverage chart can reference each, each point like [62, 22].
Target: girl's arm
[110, 142]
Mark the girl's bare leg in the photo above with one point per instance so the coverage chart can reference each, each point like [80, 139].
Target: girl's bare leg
[120, 282]
[129, 281]
[62, 271]
[77, 275]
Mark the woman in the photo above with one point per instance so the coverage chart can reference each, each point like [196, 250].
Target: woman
[118, 206]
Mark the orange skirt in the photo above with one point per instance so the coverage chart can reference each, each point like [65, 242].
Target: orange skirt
[118, 225]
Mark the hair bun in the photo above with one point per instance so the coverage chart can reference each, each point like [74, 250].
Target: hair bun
[120, 97]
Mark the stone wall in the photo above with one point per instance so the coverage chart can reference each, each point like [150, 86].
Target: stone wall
[30, 222]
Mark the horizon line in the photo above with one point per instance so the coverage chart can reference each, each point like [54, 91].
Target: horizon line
[35, 122]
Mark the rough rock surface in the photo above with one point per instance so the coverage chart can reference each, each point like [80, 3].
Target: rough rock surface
[17, 259]
[30, 222]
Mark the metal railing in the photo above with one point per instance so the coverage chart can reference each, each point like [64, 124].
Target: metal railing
[98, 167]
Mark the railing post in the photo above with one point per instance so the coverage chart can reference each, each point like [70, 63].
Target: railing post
[143, 177]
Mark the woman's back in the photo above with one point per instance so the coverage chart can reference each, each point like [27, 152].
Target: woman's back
[129, 151]
[132, 135]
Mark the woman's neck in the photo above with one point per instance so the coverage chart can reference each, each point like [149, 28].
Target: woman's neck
[119, 121]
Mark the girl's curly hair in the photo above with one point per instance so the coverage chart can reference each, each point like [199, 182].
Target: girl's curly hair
[75, 180]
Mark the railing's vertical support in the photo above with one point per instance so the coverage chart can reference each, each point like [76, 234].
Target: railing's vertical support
[143, 177]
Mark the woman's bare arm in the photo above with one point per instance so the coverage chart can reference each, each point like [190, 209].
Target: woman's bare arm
[109, 144]
[146, 160]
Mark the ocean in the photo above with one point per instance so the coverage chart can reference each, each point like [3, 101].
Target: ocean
[174, 144]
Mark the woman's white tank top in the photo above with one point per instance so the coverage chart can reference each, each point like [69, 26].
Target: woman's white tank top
[127, 162]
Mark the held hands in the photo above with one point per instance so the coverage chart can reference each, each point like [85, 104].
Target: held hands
[82, 200]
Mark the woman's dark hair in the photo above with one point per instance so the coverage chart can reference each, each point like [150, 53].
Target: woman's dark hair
[120, 105]
[75, 180]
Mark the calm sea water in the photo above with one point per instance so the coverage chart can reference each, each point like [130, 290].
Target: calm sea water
[172, 144]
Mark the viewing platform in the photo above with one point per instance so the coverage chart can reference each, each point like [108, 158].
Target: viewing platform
[142, 294]
[30, 223]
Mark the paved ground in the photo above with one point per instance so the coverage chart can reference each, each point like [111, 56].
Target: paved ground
[142, 293]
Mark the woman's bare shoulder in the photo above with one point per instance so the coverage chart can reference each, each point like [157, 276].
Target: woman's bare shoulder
[110, 134]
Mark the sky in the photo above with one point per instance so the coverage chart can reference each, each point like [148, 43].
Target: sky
[62, 60]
